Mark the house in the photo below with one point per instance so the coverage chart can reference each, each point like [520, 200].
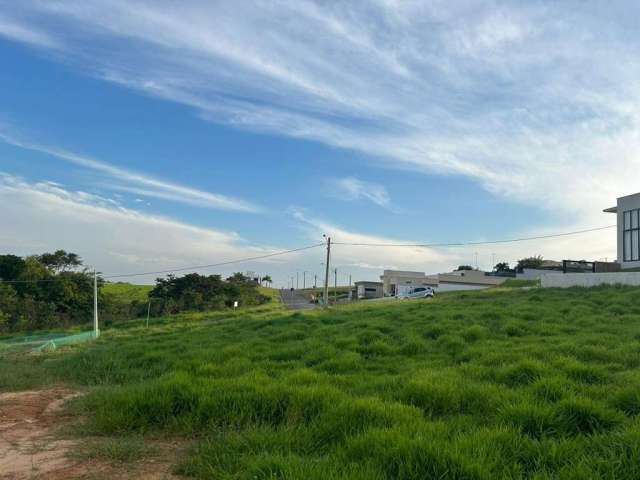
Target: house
[467, 280]
[627, 211]
[366, 290]
[547, 266]
[397, 282]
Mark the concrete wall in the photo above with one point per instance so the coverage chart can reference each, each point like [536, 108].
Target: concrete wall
[454, 287]
[566, 280]
[532, 273]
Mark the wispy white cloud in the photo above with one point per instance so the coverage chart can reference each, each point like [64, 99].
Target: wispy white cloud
[138, 183]
[42, 216]
[351, 188]
[16, 31]
[369, 261]
[524, 98]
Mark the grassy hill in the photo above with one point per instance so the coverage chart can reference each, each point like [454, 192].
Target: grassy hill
[478, 385]
[127, 292]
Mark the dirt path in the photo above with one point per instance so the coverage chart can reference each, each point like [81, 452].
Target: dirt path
[30, 448]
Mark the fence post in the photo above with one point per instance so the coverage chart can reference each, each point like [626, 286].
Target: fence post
[96, 330]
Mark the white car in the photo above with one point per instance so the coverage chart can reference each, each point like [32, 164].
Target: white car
[417, 292]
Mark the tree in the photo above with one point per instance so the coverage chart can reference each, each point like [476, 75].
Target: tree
[464, 267]
[11, 266]
[530, 262]
[267, 280]
[60, 261]
[501, 267]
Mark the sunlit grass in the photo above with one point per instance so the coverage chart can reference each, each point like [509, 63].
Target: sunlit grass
[479, 385]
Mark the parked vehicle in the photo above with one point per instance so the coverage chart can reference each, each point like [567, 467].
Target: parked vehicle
[417, 292]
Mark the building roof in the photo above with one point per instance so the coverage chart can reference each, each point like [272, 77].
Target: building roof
[367, 282]
[611, 210]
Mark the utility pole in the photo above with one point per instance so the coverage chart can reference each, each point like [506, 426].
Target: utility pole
[326, 273]
[304, 279]
[335, 286]
[148, 312]
[315, 281]
[297, 280]
[96, 331]
[476, 259]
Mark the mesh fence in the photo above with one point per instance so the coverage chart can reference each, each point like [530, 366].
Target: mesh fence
[43, 343]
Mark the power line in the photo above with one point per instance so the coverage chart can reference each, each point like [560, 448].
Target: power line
[199, 267]
[463, 244]
[284, 252]
[180, 269]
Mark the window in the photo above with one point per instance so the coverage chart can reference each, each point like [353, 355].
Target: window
[631, 235]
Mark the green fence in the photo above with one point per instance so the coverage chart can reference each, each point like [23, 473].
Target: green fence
[44, 343]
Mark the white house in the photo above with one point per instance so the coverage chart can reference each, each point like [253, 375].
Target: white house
[397, 282]
[467, 280]
[627, 210]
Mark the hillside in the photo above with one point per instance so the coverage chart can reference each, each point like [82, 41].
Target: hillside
[478, 385]
[127, 292]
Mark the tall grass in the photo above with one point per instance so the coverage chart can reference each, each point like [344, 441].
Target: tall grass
[481, 385]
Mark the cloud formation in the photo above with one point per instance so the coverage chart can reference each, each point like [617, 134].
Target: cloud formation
[535, 101]
[140, 184]
[45, 216]
[351, 188]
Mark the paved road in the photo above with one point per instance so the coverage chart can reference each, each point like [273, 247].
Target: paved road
[295, 300]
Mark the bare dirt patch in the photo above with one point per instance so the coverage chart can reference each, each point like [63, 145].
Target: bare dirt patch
[31, 448]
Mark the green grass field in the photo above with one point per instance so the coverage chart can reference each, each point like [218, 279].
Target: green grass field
[127, 292]
[534, 384]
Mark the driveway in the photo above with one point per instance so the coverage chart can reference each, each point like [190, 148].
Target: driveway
[295, 300]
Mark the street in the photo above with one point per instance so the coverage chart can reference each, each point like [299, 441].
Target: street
[295, 300]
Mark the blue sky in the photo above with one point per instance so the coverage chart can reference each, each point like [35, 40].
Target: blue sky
[156, 134]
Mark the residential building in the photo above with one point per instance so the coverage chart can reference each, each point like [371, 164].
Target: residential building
[627, 212]
[397, 282]
[467, 280]
[366, 290]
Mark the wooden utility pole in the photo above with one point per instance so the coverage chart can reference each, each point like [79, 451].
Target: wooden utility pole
[326, 273]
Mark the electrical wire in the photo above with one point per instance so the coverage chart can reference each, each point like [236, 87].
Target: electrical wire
[199, 267]
[463, 244]
[284, 252]
[180, 269]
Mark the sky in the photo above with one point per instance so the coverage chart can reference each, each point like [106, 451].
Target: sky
[159, 134]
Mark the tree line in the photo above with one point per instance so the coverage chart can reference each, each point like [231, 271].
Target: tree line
[55, 290]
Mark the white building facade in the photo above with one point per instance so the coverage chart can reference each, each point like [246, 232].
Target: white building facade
[399, 282]
[627, 211]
